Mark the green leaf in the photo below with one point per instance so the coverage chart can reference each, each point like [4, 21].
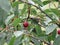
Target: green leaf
[16, 22]
[47, 20]
[53, 14]
[52, 36]
[12, 40]
[16, 11]
[38, 30]
[3, 15]
[43, 38]
[46, 2]
[26, 40]
[8, 19]
[35, 41]
[18, 40]
[39, 2]
[2, 38]
[57, 41]
[33, 11]
[5, 5]
[5, 8]
[55, 11]
[50, 28]
[8, 37]
[18, 33]
[24, 10]
[15, 3]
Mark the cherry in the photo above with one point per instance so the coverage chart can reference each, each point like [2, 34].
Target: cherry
[58, 32]
[25, 24]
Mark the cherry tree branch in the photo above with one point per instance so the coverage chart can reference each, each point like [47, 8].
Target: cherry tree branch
[39, 9]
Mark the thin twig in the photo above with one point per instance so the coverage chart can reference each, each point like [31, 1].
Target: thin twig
[28, 12]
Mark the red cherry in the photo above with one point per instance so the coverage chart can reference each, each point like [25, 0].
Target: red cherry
[25, 24]
[59, 32]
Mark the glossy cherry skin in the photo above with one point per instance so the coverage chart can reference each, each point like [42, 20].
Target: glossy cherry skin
[25, 24]
[58, 32]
